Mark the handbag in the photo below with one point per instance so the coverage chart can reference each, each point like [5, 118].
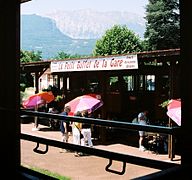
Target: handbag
[81, 135]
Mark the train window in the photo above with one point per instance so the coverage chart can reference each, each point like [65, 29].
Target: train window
[150, 82]
[68, 88]
[55, 80]
[93, 85]
[129, 80]
[141, 83]
[146, 82]
[114, 83]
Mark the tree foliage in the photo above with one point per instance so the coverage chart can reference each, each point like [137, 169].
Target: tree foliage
[118, 40]
[163, 24]
[26, 79]
[30, 56]
[62, 55]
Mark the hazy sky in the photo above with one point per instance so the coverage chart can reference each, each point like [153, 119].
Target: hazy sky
[42, 7]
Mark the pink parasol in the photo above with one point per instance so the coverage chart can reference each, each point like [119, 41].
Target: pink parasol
[38, 99]
[174, 110]
[84, 102]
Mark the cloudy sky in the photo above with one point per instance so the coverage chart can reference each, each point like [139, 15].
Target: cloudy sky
[42, 7]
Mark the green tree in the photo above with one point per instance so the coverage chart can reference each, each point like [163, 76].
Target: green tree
[26, 79]
[163, 24]
[30, 56]
[118, 40]
[62, 55]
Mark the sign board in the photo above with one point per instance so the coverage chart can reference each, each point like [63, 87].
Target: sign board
[96, 64]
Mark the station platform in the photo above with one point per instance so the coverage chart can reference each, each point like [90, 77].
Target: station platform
[85, 167]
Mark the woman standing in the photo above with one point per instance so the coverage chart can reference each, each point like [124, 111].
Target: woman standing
[76, 129]
[86, 131]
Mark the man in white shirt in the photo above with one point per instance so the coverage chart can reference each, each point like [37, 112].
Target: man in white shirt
[142, 120]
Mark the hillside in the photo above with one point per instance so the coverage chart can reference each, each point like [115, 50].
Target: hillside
[41, 34]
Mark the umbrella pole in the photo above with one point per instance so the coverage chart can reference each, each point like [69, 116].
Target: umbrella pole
[35, 128]
[171, 144]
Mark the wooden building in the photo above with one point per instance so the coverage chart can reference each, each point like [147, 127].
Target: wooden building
[126, 83]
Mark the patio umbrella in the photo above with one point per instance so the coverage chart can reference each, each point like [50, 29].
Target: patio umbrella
[174, 110]
[28, 92]
[97, 96]
[38, 99]
[84, 102]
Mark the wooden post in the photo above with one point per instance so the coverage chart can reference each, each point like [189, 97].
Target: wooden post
[102, 129]
[186, 86]
[171, 144]
[36, 82]
[9, 90]
[171, 141]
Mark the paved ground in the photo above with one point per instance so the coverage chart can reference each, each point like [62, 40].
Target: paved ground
[86, 167]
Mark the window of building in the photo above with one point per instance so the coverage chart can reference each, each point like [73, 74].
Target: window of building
[114, 83]
[146, 83]
[129, 81]
[150, 82]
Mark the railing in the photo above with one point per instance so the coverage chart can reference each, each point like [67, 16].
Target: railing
[124, 158]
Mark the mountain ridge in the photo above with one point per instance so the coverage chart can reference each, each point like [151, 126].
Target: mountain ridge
[41, 34]
[77, 34]
[91, 24]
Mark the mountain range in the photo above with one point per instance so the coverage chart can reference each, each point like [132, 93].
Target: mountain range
[74, 32]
